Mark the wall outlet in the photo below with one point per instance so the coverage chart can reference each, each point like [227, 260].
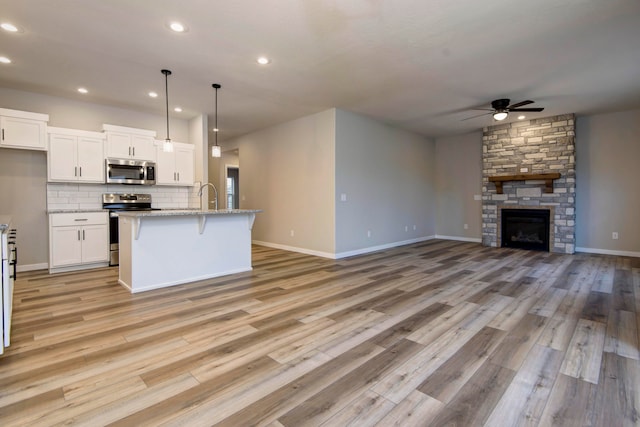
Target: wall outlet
[614, 235]
[292, 233]
[414, 227]
[466, 226]
[243, 198]
[343, 197]
[406, 228]
[477, 197]
[368, 233]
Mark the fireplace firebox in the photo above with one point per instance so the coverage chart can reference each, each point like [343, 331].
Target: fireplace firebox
[525, 229]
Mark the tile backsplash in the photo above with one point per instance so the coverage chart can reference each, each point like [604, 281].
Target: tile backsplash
[89, 196]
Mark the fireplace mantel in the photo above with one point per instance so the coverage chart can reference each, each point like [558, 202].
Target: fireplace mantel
[548, 179]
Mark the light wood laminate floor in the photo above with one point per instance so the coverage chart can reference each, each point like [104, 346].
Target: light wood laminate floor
[431, 334]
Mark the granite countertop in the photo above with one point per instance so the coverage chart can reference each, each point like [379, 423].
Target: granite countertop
[5, 223]
[187, 212]
[56, 211]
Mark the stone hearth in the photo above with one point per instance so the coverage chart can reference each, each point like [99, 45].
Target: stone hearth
[538, 146]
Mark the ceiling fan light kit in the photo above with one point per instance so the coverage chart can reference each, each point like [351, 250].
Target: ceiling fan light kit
[500, 115]
[500, 109]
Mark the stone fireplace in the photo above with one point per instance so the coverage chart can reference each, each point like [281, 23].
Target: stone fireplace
[530, 165]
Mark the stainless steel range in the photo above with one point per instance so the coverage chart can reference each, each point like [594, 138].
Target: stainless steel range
[117, 203]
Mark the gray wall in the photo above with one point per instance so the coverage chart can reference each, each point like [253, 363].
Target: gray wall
[70, 113]
[458, 179]
[288, 171]
[387, 176]
[23, 189]
[607, 181]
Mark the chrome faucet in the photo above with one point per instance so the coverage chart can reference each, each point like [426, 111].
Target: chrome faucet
[215, 190]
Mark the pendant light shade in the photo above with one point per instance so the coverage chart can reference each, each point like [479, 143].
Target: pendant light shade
[216, 151]
[167, 146]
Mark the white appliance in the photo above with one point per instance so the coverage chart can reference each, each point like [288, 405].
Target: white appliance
[9, 255]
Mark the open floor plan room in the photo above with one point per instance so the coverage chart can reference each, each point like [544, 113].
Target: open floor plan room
[434, 333]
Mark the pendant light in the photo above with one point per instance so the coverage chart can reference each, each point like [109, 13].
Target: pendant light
[167, 147]
[216, 151]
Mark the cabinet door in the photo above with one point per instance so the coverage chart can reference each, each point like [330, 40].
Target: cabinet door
[143, 148]
[118, 145]
[90, 160]
[62, 158]
[95, 243]
[23, 133]
[184, 166]
[165, 167]
[66, 246]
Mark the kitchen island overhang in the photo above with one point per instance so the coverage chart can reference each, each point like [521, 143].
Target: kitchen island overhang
[172, 247]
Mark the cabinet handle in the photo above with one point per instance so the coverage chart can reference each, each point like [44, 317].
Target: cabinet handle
[81, 219]
[129, 150]
[134, 151]
[78, 234]
[75, 171]
[80, 170]
[178, 175]
[3, 134]
[82, 234]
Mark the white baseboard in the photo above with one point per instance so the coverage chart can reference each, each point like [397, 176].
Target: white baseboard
[461, 239]
[294, 249]
[382, 247]
[608, 252]
[32, 267]
[342, 254]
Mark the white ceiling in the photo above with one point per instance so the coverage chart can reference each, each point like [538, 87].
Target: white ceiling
[421, 65]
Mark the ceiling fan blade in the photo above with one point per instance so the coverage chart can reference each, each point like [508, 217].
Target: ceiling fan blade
[526, 109]
[473, 117]
[519, 104]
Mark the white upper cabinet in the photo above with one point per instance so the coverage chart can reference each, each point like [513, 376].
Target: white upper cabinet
[24, 130]
[177, 167]
[129, 143]
[75, 156]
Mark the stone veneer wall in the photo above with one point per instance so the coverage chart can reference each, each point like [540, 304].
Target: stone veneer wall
[531, 146]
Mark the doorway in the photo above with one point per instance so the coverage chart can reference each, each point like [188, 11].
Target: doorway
[233, 187]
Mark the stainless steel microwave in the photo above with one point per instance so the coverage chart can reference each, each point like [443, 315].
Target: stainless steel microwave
[136, 172]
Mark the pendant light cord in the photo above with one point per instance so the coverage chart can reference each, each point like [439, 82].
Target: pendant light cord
[216, 86]
[167, 73]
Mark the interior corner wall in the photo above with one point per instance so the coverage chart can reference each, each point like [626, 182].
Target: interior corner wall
[458, 180]
[288, 171]
[607, 179]
[199, 137]
[387, 177]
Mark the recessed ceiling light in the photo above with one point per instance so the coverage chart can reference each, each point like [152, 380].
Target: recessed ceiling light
[5, 60]
[153, 94]
[263, 60]
[521, 117]
[177, 27]
[178, 110]
[9, 27]
[82, 90]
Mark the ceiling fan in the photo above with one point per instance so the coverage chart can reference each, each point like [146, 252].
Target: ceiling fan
[500, 109]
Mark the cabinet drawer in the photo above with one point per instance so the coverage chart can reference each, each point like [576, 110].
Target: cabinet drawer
[65, 219]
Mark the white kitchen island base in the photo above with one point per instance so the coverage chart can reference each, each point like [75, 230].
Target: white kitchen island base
[167, 248]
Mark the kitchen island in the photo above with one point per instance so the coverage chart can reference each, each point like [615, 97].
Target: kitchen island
[167, 248]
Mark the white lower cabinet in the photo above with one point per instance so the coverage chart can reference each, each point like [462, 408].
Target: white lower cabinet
[78, 240]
